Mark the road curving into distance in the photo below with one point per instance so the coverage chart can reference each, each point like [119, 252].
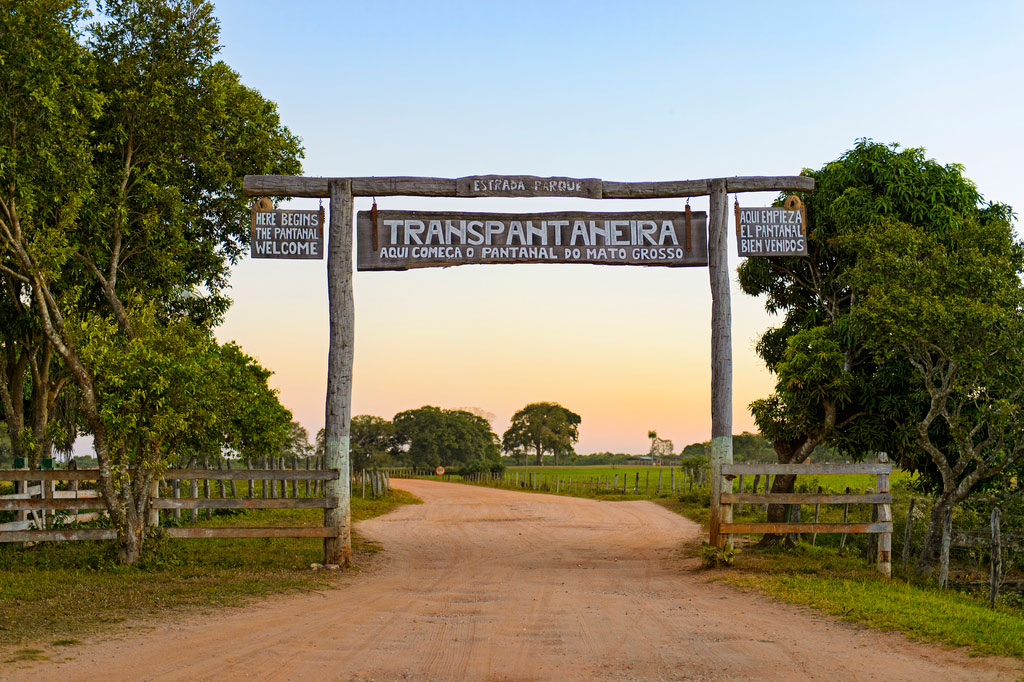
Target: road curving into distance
[500, 586]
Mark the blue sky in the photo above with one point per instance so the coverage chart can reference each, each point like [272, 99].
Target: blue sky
[638, 91]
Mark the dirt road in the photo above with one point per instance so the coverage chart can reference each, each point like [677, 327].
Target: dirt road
[481, 584]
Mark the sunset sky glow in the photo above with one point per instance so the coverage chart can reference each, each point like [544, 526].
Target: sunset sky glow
[619, 91]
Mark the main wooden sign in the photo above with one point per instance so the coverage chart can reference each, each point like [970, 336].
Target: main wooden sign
[287, 234]
[400, 240]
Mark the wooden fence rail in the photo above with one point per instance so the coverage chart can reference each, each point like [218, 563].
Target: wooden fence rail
[882, 501]
[41, 500]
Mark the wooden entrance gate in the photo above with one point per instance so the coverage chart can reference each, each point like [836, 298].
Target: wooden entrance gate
[342, 190]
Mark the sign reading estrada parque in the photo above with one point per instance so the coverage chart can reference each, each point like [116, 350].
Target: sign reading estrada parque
[400, 240]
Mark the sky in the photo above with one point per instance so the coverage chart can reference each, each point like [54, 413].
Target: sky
[619, 91]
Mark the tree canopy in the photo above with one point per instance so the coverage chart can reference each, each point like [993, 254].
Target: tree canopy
[540, 428]
[430, 436]
[895, 241]
[120, 213]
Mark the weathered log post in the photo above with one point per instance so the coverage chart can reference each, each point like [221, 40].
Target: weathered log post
[997, 559]
[721, 356]
[338, 408]
[947, 528]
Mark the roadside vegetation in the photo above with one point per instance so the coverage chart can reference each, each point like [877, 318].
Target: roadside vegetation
[58, 592]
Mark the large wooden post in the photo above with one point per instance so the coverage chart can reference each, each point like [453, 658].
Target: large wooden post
[338, 410]
[721, 355]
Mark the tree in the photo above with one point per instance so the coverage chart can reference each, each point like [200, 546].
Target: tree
[542, 427]
[371, 440]
[920, 303]
[48, 102]
[831, 388]
[431, 436]
[120, 184]
[297, 442]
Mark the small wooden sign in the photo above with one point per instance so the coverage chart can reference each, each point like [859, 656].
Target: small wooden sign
[287, 233]
[772, 231]
[400, 240]
[527, 186]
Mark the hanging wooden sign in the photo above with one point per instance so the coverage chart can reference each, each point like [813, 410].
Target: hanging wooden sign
[772, 231]
[400, 240]
[287, 233]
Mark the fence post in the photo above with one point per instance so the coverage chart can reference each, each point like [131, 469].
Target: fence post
[817, 510]
[884, 543]
[906, 534]
[997, 559]
[153, 514]
[846, 516]
[947, 524]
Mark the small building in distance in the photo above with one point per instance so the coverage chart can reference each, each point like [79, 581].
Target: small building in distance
[644, 460]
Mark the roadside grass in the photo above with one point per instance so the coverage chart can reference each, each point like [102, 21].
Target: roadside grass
[842, 584]
[56, 592]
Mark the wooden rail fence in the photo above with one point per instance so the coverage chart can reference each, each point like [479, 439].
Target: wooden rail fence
[274, 489]
[650, 481]
[882, 501]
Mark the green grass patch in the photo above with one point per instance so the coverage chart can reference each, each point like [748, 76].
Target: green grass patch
[25, 655]
[59, 590]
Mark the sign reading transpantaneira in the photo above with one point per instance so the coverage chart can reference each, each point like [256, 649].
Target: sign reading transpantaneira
[287, 233]
[772, 231]
[399, 240]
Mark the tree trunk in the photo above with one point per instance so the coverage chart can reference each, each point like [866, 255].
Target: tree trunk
[933, 534]
[540, 454]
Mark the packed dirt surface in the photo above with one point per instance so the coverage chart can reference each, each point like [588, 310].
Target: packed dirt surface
[492, 585]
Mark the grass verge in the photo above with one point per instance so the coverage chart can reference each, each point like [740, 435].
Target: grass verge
[841, 583]
[56, 592]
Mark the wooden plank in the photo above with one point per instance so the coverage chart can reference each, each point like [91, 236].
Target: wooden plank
[71, 535]
[527, 186]
[296, 186]
[656, 190]
[762, 528]
[249, 474]
[49, 475]
[56, 503]
[721, 359]
[15, 525]
[284, 532]
[408, 186]
[401, 240]
[338, 404]
[770, 183]
[805, 498]
[173, 475]
[243, 503]
[284, 186]
[823, 468]
[59, 535]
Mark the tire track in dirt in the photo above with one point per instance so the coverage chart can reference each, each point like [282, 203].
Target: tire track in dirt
[503, 586]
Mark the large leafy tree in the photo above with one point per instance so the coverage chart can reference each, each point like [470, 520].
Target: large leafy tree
[832, 386]
[950, 305]
[48, 105]
[540, 428]
[429, 436]
[371, 441]
[126, 190]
